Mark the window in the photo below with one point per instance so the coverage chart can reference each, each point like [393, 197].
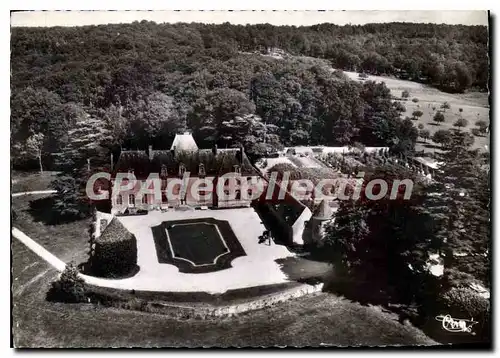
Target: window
[131, 199]
[145, 199]
[249, 192]
[119, 199]
[201, 170]
[237, 169]
[238, 195]
[163, 171]
[182, 169]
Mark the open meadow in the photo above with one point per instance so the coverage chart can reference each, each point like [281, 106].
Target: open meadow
[429, 100]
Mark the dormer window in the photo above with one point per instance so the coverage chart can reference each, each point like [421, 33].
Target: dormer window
[163, 172]
[237, 169]
[182, 170]
[131, 200]
[201, 170]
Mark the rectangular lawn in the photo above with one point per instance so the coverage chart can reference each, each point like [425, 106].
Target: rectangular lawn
[199, 242]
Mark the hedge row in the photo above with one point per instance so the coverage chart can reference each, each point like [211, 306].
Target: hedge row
[115, 251]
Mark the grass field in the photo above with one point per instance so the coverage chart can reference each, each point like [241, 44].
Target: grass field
[67, 241]
[310, 320]
[199, 243]
[474, 107]
[29, 181]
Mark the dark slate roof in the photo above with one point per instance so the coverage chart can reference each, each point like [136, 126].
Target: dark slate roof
[219, 164]
[137, 160]
[324, 211]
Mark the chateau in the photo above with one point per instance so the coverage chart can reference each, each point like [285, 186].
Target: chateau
[171, 166]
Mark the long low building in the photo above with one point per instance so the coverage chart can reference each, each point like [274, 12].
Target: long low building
[318, 149]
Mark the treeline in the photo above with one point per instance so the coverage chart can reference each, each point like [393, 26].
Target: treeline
[451, 57]
[138, 84]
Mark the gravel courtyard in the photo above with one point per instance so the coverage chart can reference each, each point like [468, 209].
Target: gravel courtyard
[257, 268]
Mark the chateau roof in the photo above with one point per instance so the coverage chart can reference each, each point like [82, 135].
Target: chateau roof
[136, 160]
[324, 211]
[218, 163]
[184, 142]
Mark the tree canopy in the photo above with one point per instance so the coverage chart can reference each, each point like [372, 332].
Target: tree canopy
[144, 82]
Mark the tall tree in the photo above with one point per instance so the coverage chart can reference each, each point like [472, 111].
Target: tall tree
[461, 201]
[34, 146]
[386, 242]
[257, 137]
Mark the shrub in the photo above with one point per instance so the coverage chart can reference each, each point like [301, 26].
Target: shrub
[424, 134]
[461, 122]
[420, 126]
[405, 94]
[442, 137]
[482, 125]
[445, 105]
[476, 132]
[414, 100]
[462, 302]
[70, 287]
[438, 117]
[115, 252]
[460, 110]
[417, 114]
[399, 106]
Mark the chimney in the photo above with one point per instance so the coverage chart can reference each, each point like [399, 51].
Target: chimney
[150, 152]
[240, 154]
[111, 159]
[214, 149]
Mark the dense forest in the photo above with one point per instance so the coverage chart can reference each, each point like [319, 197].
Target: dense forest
[131, 85]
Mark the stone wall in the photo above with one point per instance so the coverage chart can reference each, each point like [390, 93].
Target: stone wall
[205, 312]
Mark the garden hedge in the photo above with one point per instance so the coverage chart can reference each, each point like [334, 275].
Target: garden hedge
[115, 252]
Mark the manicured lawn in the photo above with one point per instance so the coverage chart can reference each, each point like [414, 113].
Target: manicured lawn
[31, 181]
[197, 245]
[315, 320]
[68, 241]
